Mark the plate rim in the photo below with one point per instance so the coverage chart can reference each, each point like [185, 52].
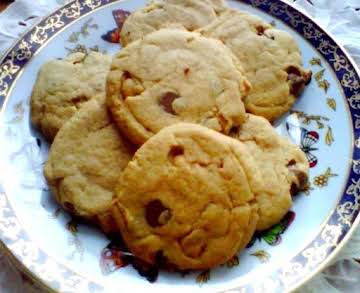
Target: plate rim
[93, 6]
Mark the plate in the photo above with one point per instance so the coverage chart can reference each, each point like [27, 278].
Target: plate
[71, 257]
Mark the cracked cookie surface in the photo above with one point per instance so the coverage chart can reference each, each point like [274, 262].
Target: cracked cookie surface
[270, 57]
[189, 15]
[62, 86]
[283, 166]
[174, 76]
[186, 197]
[85, 161]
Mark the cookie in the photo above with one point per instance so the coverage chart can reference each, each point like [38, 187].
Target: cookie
[85, 161]
[173, 76]
[62, 86]
[270, 57]
[189, 15]
[283, 166]
[185, 198]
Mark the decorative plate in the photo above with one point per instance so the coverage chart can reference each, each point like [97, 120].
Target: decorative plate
[71, 257]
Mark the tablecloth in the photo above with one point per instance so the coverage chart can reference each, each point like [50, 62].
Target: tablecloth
[339, 17]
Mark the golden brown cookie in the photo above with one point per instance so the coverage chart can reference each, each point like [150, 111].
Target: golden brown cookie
[270, 57]
[283, 166]
[172, 76]
[186, 197]
[189, 15]
[86, 160]
[62, 86]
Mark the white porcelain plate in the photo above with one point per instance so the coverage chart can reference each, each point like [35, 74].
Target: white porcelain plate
[72, 257]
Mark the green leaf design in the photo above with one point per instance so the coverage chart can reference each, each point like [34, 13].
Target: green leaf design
[329, 138]
[328, 173]
[84, 31]
[74, 37]
[271, 235]
[203, 277]
[315, 61]
[331, 103]
[319, 75]
[78, 48]
[262, 256]
[307, 119]
[233, 262]
[324, 84]
[19, 111]
[276, 229]
[94, 26]
[270, 238]
[320, 125]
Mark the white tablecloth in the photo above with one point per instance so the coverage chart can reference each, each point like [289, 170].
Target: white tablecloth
[340, 17]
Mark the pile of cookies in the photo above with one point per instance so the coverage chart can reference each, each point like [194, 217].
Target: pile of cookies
[169, 142]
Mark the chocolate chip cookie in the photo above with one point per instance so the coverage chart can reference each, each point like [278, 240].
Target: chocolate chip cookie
[270, 57]
[173, 76]
[62, 86]
[189, 15]
[186, 198]
[283, 166]
[86, 160]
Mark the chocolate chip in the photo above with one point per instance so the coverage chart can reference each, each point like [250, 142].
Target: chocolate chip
[79, 100]
[291, 163]
[294, 189]
[308, 76]
[302, 183]
[221, 164]
[126, 75]
[234, 131]
[69, 207]
[203, 164]
[167, 100]
[302, 178]
[38, 142]
[149, 271]
[156, 213]
[293, 70]
[260, 30]
[297, 82]
[160, 259]
[162, 262]
[186, 71]
[176, 150]
[297, 85]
